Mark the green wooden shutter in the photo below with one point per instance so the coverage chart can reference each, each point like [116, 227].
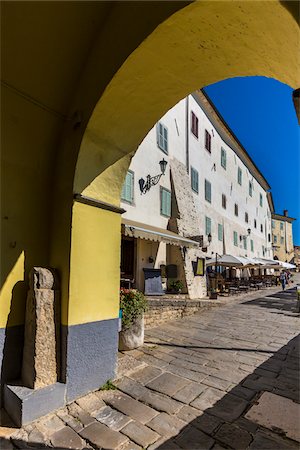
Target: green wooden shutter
[220, 232]
[223, 158]
[235, 238]
[165, 202]
[207, 225]
[194, 180]
[207, 191]
[127, 190]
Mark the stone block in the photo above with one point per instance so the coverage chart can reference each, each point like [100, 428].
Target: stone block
[67, 438]
[188, 393]
[140, 434]
[25, 405]
[41, 339]
[208, 399]
[131, 387]
[266, 441]
[161, 402]
[166, 425]
[229, 408]
[188, 413]
[50, 424]
[217, 383]
[101, 436]
[233, 436]
[276, 412]
[90, 403]
[131, 407]
[43, 278]
[77, 412]
[146, 374]
[168, 383]
[112, 418]
[192, 438]
[207, 423]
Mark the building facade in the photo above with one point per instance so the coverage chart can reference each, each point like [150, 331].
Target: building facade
[211, 191]
[282, 236]
[297, 257]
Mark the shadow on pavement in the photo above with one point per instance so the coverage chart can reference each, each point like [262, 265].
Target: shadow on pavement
[224, 423]
[284, 301]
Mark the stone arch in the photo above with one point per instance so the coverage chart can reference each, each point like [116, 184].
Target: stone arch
[201, 44]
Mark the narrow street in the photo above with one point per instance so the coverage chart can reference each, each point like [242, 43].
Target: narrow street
[226, 378]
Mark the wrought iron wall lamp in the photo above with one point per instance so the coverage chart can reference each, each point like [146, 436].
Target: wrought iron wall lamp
[145, 186]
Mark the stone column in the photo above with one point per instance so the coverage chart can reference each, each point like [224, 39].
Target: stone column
[41, 356]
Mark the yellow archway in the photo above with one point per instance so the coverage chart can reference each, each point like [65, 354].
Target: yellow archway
[162, 58]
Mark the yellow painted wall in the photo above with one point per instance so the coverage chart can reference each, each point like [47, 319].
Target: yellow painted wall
[284, 251]
[95, 265]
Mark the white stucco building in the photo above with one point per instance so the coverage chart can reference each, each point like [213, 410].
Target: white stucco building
[211, 187]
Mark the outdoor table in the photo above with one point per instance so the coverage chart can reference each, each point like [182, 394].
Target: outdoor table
[244, 288]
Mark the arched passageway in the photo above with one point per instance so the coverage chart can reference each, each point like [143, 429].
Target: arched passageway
[173, 51]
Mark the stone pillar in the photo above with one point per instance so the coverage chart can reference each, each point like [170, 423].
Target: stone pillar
[41, 356]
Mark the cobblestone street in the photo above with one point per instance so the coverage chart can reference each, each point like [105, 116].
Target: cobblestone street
[226, 378]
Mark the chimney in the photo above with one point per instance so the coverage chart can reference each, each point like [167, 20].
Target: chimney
[285, 212]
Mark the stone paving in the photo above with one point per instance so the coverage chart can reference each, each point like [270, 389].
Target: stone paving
[198, 383]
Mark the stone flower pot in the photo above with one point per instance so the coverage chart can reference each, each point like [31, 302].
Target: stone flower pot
[133, 336]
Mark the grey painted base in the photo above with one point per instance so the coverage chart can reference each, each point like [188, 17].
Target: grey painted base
[11, 350]
[25, 405]
[91, 360]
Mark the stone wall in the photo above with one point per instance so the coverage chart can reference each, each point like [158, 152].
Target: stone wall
[163, 310]
[188, 226]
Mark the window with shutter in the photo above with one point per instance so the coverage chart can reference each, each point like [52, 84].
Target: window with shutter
[195, 180]
[127, 190]
[207, 225]
[250, 188]
[165, 202]
[239, 175]
[162, 137]
[220, 232]
[207, 141]
[195, 123]
[235, 238]
[252, 245]
[223, 158]
[224, 201]
[207, 189]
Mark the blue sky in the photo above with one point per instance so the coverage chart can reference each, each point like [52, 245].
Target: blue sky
[261, 113]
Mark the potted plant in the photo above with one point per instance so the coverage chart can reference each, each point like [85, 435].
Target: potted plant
[176, 286]
[213, 294]
[133, 304]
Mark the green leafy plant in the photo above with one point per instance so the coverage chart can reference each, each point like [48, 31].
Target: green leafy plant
[108, 386]
[176, 285]
[133, 304]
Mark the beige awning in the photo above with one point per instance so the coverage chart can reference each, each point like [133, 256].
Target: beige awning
[143, 231]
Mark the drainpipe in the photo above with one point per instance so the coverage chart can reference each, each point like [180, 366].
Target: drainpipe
[187, 135]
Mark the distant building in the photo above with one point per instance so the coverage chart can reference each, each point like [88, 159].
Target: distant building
[282, 237]
[211, 192]
[297, 256]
